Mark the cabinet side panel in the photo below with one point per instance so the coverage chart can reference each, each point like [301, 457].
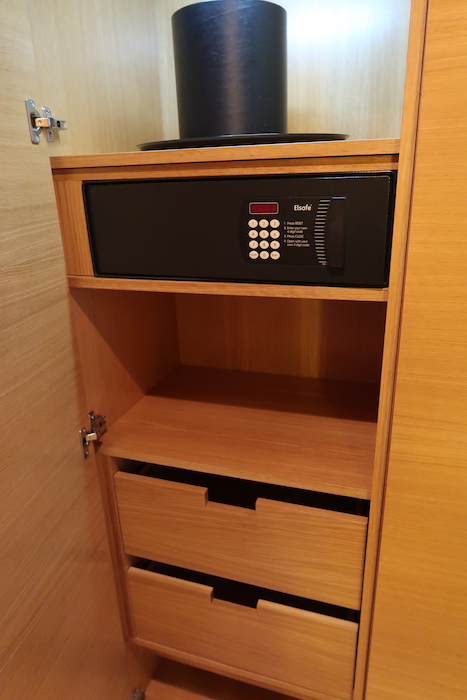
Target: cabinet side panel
[127, 343]
[74, 227]
[419, 640]
[351, 343]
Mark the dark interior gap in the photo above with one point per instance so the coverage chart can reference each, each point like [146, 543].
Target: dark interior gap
[244, 594]
[243, 493]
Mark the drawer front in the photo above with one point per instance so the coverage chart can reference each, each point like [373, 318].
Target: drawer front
[284, 644]
[294, 549]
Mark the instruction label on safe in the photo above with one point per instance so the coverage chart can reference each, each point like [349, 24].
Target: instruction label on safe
[296, 234]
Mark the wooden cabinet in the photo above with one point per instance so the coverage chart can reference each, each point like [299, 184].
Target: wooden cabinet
[58, 614]
[242, 452]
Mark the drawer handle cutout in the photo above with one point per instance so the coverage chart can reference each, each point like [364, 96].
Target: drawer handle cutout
[243, 493]
[245, 594]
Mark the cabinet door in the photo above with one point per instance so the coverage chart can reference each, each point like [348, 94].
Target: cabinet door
[58, 615]
[419, 640]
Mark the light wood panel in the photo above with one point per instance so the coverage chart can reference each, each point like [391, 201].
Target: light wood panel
[58, 614]
[296, 647]
[295, 549]
[175, 681]
[388, 373]
[229, 288]
[127, 343]
[306, 433]
[329, 339]
[419, 640]
[98, 66]
[346, 66]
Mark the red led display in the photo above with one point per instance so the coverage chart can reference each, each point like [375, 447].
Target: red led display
[264, 208]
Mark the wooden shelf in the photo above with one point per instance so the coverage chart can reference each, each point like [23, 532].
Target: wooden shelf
[316, 149]
[305, 433]
[285, 291]
[174, 681]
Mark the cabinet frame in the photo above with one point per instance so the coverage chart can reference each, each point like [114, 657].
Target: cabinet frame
[311, 158]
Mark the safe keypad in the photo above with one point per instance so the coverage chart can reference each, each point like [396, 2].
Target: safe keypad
[267, 242]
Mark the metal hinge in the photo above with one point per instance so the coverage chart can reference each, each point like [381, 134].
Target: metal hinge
[97, 426]
[46, 121]
[138, 694]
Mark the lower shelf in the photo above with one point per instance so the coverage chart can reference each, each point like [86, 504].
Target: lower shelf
[312, 434]
[174, 681]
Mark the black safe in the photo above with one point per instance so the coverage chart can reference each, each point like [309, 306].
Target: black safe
[302, 229]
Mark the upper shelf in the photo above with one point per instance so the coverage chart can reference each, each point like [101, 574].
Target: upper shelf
[316, 149]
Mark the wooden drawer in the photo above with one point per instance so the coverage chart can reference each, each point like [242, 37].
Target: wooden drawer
[294, 549]
[309, 651]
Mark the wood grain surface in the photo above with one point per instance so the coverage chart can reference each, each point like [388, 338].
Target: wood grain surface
[175, 681]
[346, 66]
[396, 290]
[127, 343]
[419, 641]
[229, 154]
[291, 431]
[311, 338]
[60, 633]
[73, 226]
[234, 167]
[295, 549]
[229, 288]
[98, 69]
[293, 646]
